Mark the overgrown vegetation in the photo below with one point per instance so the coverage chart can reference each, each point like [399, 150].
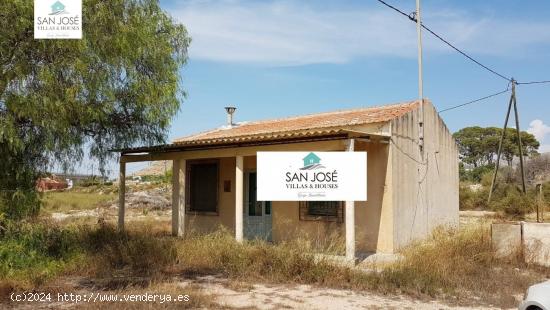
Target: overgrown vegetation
[93, 181]
[451, 263]
[74, 200]
[461, 264]
[478, 148]
[507, 197]
[474, 174]
[166, 177]
[33, 252]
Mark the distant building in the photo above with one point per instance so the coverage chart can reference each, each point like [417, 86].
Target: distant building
[51, 183]
[76, 179]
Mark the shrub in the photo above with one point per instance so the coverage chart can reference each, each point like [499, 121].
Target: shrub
[90, 181]
[506, 175]
[451, 262]
[158, 179]
[472, 199]
[509, 199]
[459, 263]
[18, 204]
[140, 252]
[32, 252]
[506, 198]
[513, 202]
[475, 174]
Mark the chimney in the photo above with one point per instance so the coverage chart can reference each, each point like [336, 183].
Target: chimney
[230, 111]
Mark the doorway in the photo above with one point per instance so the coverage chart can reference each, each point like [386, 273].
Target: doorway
[257, 214]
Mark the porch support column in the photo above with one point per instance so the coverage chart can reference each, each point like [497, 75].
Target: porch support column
[239, 198]
[121, 194]
[350, 218]
[178, 197]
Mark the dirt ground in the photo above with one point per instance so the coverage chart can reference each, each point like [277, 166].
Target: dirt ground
[262, 296]
[228, 294]
[235, 295]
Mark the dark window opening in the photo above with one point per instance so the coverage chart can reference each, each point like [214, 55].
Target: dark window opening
[322, 211]
[254, 206]
[268, 208]
[203, 187]
[323, 208]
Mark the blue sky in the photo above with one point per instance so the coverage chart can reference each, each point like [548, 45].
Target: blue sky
[280, 58]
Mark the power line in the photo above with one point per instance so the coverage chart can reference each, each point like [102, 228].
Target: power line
[394, 8]
[413, 18]
[474, 101]
[464, 54]
[532, 82]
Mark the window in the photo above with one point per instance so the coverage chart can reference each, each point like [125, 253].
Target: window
[322, 208]
[202, 187]
[254, 206]
[322, 211]
[268, 208]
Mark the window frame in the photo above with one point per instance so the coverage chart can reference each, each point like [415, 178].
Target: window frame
[188, 206]
[305, 216]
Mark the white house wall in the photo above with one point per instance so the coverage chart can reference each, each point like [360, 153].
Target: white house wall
[425, 191]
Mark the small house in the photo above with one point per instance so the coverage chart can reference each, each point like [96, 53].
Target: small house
[57, 7]
[412, 183]
[311, 159]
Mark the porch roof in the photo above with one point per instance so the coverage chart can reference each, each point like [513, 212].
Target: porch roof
[312, 126]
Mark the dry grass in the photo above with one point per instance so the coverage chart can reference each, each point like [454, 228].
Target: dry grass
[73, 200]
[455, 264]
[458, 265]
[506, 199]
[461, 264]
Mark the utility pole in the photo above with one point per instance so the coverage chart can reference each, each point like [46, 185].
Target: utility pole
[420, 81]
[423, 171]
[540, 204]
[513, 102]
[519, 137]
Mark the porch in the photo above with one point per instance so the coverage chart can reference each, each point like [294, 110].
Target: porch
[216, 186]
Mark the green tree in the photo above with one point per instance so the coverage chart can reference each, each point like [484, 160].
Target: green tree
[478, 146]
[510, 148]
[117, 86]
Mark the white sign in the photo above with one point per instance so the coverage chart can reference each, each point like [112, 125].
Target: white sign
[312, 176]
[58, 19]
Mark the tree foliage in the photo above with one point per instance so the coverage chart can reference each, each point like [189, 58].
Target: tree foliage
[116, 87]
[478, 146]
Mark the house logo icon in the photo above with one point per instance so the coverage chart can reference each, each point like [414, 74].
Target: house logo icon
[312, 162]
[58, 8]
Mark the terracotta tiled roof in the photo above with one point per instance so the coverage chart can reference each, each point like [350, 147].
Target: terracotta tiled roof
[300, 126]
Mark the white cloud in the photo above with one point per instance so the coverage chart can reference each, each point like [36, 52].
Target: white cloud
[544, 148]
[538, 129]
[291, 32]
